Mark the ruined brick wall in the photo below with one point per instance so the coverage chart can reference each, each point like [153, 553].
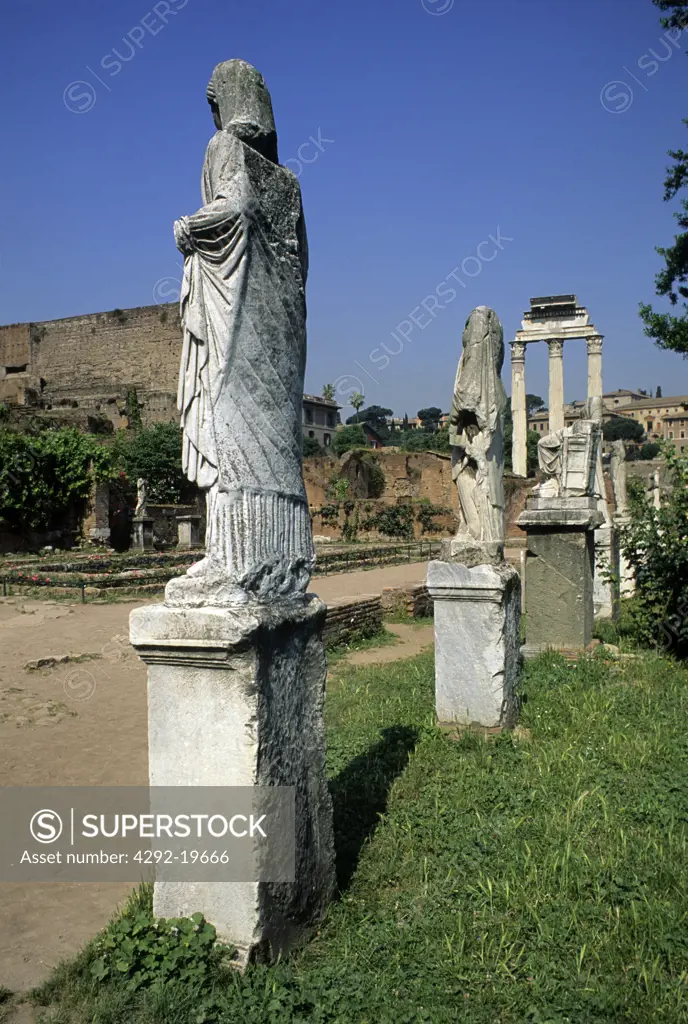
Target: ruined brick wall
[352, 618]
[408, 475]
[91, 362]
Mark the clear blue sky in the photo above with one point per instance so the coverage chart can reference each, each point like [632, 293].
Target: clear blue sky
[447, 121]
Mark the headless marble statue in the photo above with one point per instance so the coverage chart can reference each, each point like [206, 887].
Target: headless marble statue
[240, 394]
[476, 434]
[141, 498]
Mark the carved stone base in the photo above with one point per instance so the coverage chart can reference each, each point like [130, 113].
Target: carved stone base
[188, 532]
[559, 574]
[235, 698]
[467, 551]
[142, 536]
[477, 637]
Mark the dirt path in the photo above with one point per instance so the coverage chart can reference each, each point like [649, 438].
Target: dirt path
[84, 722]
[412, 640]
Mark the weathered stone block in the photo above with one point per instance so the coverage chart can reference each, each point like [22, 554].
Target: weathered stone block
[477, 641]
[235, 698]
[142, 534]
[560, 578]
[189, 532]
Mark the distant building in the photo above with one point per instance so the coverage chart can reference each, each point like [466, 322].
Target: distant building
[398, 424]
[373, 439]
[539, 421]
[661, 418]
[320, 419]
[614, 400]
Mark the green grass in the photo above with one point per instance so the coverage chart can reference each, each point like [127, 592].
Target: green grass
[502, 881]
[6, 1007]
[338, 652]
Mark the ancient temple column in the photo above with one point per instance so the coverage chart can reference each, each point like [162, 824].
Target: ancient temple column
[518, 408]
[556, 385]
[595, 366]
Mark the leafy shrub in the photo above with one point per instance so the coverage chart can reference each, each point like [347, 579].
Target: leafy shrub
[376, 476]
[338, 488]
[607, 631]
[427, 513]
[393, 521]
[656, 547]
[42, 474]
[348, 438]
[142, 952]
[311, 448]
[155, 453]
[424, 441]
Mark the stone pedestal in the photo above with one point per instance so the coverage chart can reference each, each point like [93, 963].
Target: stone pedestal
[235, 698]
[142, 534]
[96, 526]
[189, 532]
[560, 563]
[477, 637]
[605, 567]
[469, 552]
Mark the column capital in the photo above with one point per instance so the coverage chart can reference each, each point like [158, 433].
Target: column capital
[594, 343]
[518, 351]
[556, 348]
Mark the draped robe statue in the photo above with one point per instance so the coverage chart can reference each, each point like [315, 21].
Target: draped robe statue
[476, 429]
[240, 394]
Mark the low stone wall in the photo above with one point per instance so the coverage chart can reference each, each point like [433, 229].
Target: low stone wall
[352, 618]
[413, 601]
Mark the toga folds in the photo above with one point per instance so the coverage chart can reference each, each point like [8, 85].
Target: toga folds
[242, 371]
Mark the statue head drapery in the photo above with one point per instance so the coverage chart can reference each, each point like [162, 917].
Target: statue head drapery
[476, 429]
[479, 395]
[241, 105]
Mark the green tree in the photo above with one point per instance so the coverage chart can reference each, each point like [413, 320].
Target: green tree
[430, 417]
[621, 428]
[532, 459]
[670, 331]
[43, 474]
[155, 453]
[376, 416]
[658, 393]
[534, 404]
[328, 392]
[357, 400]
[348, 438]
[311, 448]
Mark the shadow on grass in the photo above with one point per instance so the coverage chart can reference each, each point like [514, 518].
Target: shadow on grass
[359, 795]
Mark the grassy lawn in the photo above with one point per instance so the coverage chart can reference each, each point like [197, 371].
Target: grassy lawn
[538, 880]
